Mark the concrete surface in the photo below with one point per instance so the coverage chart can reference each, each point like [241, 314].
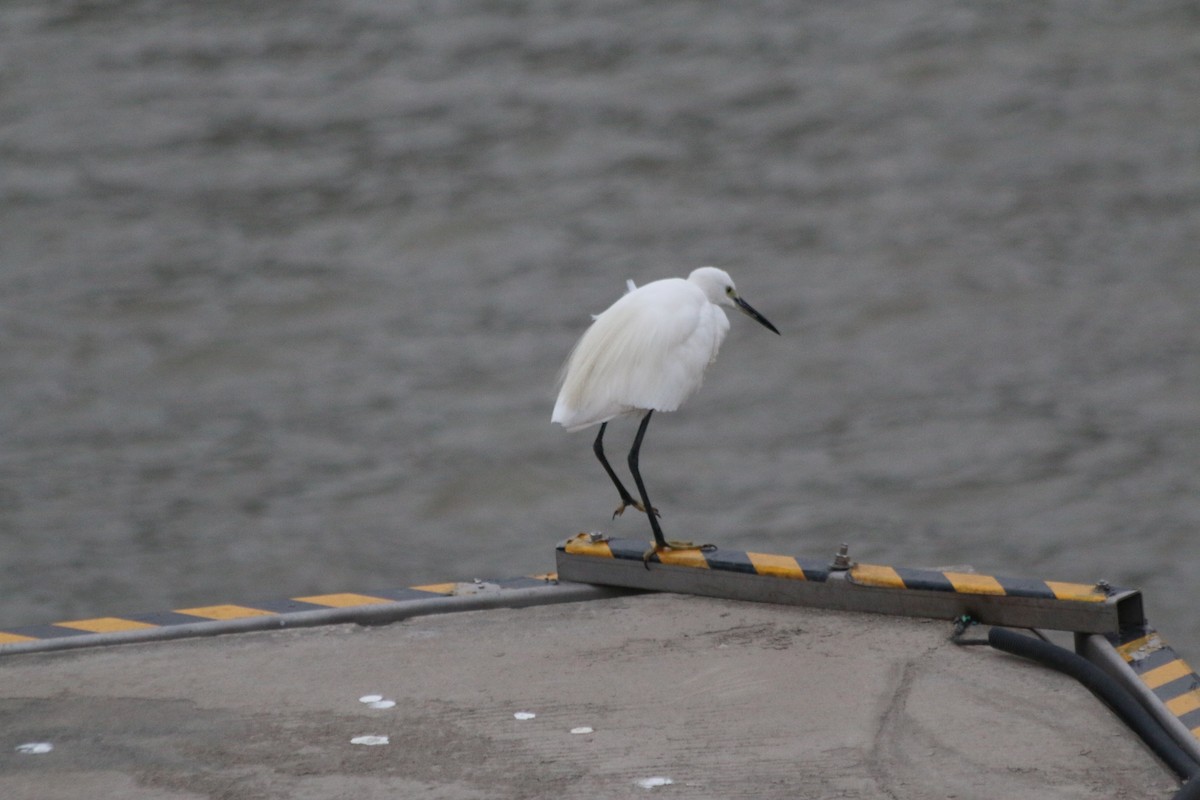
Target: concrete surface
[727, 699]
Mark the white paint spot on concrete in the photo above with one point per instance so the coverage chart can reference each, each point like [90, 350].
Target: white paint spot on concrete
[35, 748]
[653, 783]
[524, 715]
[382, 704]
[370, 698]
[369, 740]
[582, 729]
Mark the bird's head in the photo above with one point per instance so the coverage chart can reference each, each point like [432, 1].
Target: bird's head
[719, 289]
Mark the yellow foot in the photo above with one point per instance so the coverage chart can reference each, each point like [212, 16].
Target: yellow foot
[636, 504]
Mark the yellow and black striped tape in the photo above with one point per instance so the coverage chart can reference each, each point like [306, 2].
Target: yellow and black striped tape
[799, 568]
[216, 613]
[1163, 672]
[972, 583]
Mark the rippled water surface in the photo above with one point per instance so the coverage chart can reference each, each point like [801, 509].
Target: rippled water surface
[284, 287]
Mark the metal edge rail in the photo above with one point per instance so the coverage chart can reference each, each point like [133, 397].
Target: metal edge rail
[1142, 661]
[378, 608]
[841, 584]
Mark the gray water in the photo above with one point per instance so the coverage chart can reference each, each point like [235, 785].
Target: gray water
[285, 286]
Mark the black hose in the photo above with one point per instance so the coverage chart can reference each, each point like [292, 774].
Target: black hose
[1112, 694]
[1190, 791]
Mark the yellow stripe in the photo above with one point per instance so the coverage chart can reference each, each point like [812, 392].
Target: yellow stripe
[1129, 648]
[105, 625]
[437, 588]
[1166, 673]
[582, 545]
[343, 600]
[13, 638]
[876, 575]
[224, 612]
[1184, 704]
[691, 557]
[1079, 592]
[776, 566]
[545, 576]
[970, 583]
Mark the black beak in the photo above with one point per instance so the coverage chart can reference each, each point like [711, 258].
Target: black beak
[749, 311]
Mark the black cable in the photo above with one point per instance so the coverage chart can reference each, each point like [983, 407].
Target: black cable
[1112, 694]
[1190, 791]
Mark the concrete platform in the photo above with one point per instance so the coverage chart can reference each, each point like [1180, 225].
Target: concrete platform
[727, 699]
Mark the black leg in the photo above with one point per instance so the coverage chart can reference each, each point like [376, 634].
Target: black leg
[659, 541]
[598, 449]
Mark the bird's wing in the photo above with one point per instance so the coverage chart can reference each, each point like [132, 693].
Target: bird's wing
[648, 350]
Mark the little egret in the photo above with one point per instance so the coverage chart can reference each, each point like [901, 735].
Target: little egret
[647, 352]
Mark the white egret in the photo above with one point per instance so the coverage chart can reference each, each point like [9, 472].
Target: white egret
[647, 352]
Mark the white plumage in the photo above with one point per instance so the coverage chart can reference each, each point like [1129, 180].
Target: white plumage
[647, 352]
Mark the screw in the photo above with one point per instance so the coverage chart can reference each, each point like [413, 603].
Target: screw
[842, 559]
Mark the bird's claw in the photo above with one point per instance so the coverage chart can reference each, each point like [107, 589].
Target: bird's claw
[636, 504]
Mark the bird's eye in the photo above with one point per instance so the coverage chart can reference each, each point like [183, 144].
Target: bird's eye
[729, 291]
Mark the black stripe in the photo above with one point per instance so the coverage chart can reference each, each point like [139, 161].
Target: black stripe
[46, 631]
[401, 594]
[629, 549]
[814, 569]
[1181, 685]
[164, 618]
[1025, 587]
[1158, 658]
[277, 606]
[924, 579]
[730, 561]
[1191, 720]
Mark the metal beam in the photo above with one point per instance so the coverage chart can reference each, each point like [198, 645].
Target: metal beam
[301, 612]
[1140, 659]
[844, 585]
